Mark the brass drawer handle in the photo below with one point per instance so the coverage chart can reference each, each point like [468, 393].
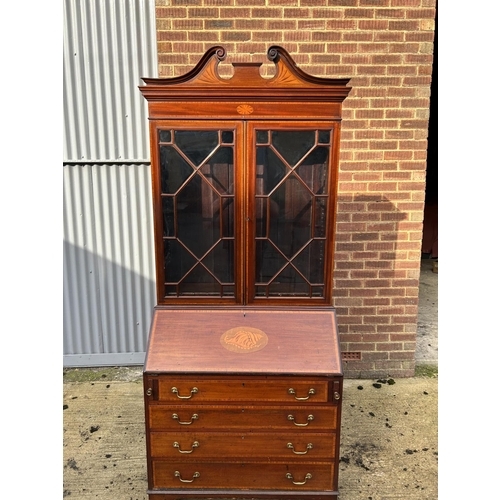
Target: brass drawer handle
[311, 392]
[307, 476]
[178, 474]
[193, 418]
[194, 390]
[308, 447]
[193, 446]
[309, 419]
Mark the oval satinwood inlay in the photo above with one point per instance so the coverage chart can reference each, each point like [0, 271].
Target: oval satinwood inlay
[244, 109]
[244, 339]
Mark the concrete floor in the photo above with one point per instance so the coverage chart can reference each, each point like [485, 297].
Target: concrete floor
[389, 447]
[426, 352]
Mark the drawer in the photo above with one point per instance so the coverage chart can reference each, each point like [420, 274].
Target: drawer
[192, 390]
[252, 445]
[230, 475]
[218, 417]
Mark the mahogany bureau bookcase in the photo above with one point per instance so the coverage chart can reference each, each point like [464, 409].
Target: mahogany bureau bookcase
[243, 375]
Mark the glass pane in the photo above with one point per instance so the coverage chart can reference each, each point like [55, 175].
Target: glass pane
[165, 135]
[227, 137]
[314, 170]
[290, 224]
[319, 230]
[261, 217]
[271, 168]
[311, 260]
[178, 261]
[324, 136]
[293, 144]
[289, 283]
[197, 144]
[268, 261]
[219, 171]
[198, 216]
[199, 282]
[168, 215]
[227, 217]
[220, 261]
[174, 170]
[259, 179]
[262, 136]
[317, 155]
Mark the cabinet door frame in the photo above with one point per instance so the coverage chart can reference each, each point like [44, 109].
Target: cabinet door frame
[250, 218]
[238, 164]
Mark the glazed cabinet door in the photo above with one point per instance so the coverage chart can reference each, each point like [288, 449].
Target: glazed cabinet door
[197, 184]
[291, 202]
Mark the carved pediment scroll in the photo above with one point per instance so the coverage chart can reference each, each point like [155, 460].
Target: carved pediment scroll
[247, 80]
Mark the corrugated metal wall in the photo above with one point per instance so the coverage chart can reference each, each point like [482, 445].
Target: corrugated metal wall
[108, 273]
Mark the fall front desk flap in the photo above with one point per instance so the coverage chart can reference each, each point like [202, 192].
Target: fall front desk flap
[244, 340]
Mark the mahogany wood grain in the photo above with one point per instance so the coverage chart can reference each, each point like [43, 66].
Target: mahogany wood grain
[223, 475]
[228, 110]
[227, 389]
[196, 446]
[288, 83]
[215, 417]
[188, 341]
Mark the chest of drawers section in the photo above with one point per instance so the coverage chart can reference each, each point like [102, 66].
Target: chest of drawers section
[260, 422]
[231, 435]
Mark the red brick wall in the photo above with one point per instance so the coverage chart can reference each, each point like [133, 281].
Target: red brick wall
[386, 48]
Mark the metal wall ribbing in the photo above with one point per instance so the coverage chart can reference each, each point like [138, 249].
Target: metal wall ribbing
[108, 273]
[108, 46]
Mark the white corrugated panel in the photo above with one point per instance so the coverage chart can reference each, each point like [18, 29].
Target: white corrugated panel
[124, 222]
[109, 274]
[108, 46]
[109, 287]
[82, 331]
